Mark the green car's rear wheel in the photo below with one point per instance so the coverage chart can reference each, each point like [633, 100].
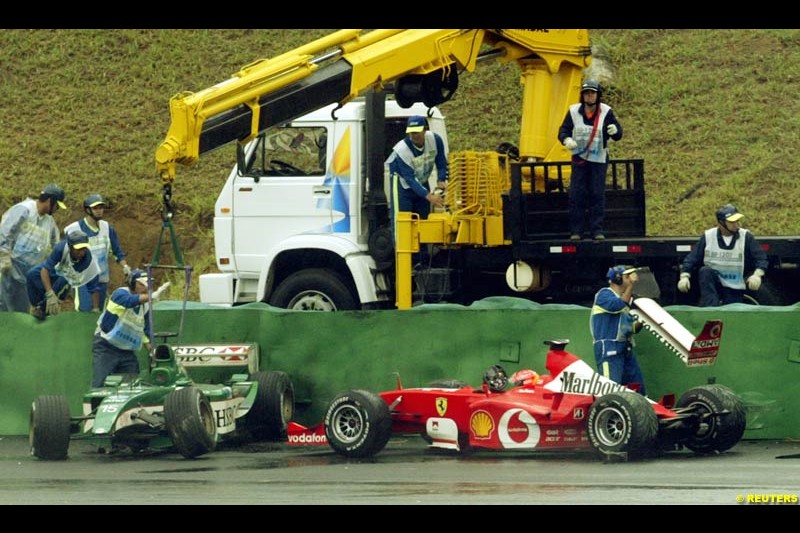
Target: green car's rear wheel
[273, 407]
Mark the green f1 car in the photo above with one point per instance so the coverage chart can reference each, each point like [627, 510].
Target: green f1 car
[193, 397]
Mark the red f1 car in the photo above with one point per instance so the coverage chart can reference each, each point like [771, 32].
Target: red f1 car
[573, 407]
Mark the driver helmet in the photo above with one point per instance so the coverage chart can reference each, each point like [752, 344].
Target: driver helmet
[496, 378]
[53, 192]
[728, 213]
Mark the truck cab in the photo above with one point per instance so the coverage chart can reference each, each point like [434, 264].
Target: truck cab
[292, 223]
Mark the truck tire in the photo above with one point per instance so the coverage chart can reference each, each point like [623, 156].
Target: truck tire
[358, 424]
[190, 422]
[622, 423]
[314, 289]
[49, 428]
[273, 407]
[722, 418]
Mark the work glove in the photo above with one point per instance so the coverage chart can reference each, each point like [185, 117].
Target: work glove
[159, 291]
[612, 129]
[5, 264]
[126, 271]
[754, 281]
[570, 144]
[435, 199]
[683, 283]
[53, 303]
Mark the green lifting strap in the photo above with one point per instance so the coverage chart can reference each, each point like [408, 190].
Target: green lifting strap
[167, 225]
[166, 217]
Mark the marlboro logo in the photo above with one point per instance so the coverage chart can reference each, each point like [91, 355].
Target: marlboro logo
[594, 385]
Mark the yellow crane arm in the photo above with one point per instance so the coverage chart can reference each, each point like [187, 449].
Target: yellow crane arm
[424, 63]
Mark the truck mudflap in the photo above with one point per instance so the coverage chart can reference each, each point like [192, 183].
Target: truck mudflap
[693, 351]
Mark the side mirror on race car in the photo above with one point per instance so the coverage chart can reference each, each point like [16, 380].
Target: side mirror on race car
[495, 378]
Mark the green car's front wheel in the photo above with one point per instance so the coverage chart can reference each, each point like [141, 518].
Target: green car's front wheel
[190, 422]
[49, 427]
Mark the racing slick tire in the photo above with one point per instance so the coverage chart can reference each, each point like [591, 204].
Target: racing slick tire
[622, 423]
[314, 289]
[190, 422]
[273, 407]
[358, 424]
[722, 418]
[49, 428]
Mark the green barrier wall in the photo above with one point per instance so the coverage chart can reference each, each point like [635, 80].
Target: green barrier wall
[327, 353]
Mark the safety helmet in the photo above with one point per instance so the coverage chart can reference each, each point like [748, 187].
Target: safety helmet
[728, 213]
[496, 378]
[139, 275]
[77, 239]
[54, 192]
[615, 273]
[93, 200]
[592, 85]
[415, 124]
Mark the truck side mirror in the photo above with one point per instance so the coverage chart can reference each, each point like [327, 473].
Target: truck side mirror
[241, 164]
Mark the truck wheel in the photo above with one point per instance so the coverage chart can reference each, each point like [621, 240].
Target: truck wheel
[190, 422]
[49, 428]
[273, 407]
[313, 289]
[358, 424]
[721, 418]
[622, 423]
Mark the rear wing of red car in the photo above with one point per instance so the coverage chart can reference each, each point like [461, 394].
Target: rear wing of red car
[693, 351]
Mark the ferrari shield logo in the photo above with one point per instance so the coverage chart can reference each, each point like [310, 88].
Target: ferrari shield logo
[441, 406]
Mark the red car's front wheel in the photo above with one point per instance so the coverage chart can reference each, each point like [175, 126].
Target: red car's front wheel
[358, 424]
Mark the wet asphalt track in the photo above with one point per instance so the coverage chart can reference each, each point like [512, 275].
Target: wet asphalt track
[405, 473]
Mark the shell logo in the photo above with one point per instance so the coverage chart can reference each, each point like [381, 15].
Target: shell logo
[481, 424]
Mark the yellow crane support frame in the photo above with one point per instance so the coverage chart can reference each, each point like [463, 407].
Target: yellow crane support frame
[551, 63]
